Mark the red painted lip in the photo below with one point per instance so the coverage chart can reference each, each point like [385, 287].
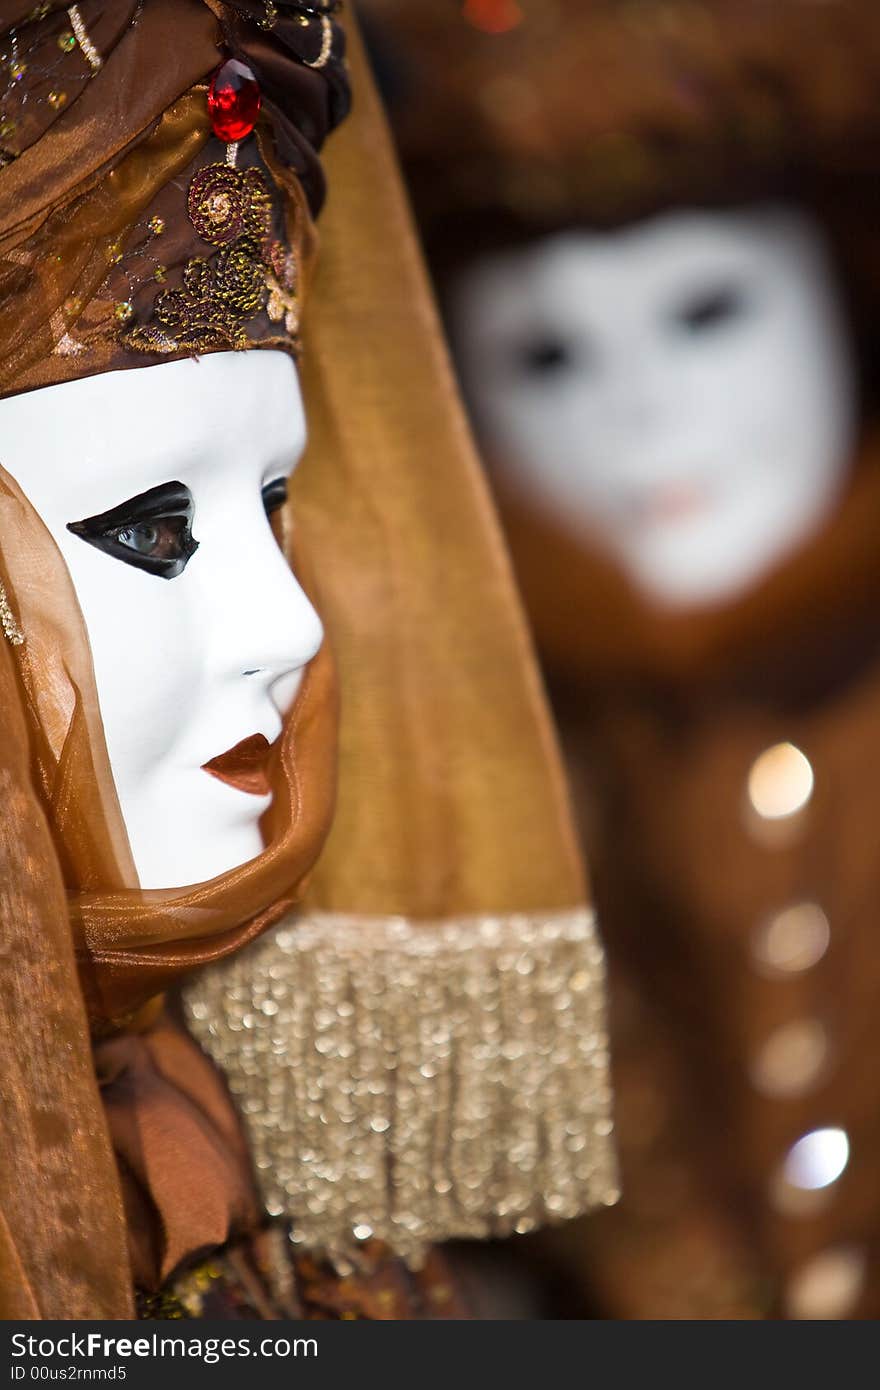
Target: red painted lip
[245, 766]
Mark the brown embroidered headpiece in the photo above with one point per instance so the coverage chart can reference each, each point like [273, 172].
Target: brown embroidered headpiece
[159, 173]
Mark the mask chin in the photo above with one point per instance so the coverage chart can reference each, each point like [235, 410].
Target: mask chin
[721, 549]
[172, 797]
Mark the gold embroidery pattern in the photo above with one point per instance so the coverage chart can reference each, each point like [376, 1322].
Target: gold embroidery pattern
[211, 308]
[283, 303]
[230, 209]
[225, 203]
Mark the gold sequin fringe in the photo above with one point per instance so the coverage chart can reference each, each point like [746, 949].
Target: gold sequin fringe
[415, 1082]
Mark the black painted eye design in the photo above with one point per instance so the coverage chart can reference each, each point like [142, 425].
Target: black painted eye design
[274, 495]
[152, 531]
[545, 357]
[713, 309]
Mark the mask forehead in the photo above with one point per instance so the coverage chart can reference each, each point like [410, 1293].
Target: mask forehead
[86, 445]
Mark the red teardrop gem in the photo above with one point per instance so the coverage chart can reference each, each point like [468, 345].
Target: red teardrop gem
[233, 101]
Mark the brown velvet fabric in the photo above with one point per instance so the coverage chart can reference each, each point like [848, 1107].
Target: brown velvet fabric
[183, 1162]
[662, 716]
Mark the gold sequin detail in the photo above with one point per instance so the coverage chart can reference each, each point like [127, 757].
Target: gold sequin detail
[90, 52]
[281, 282]
[68, 346]
[163, 1306]
[230, 209]
[65, 344]
[418, 1080]
[11, 629]
[326, 46]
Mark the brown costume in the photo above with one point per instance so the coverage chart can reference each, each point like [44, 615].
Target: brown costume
[745, 984]
[733, 1039]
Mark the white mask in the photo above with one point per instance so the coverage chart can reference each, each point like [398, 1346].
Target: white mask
[682, 389]
[186, 666]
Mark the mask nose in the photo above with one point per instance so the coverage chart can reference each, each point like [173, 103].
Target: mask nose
[637, 398]
[638, 421]
[268, 629]
[284, 636]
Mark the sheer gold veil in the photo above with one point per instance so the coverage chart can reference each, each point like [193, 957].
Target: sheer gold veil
[62, 1236]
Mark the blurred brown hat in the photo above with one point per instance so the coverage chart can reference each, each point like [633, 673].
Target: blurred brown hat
[547, 112]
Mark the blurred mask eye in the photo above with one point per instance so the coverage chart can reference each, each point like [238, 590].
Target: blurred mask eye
[152, 531]
[546, 357]
[712, 310]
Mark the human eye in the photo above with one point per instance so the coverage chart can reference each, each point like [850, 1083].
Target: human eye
[152, 531]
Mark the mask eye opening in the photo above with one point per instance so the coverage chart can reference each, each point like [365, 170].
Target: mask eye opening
[151, 532]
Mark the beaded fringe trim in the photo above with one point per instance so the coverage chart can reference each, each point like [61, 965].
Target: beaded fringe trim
[415, 1082]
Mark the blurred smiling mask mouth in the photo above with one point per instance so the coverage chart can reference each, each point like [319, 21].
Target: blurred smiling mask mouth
[670, 504]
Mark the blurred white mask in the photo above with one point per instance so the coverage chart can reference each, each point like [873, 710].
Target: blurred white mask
[682, 390]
